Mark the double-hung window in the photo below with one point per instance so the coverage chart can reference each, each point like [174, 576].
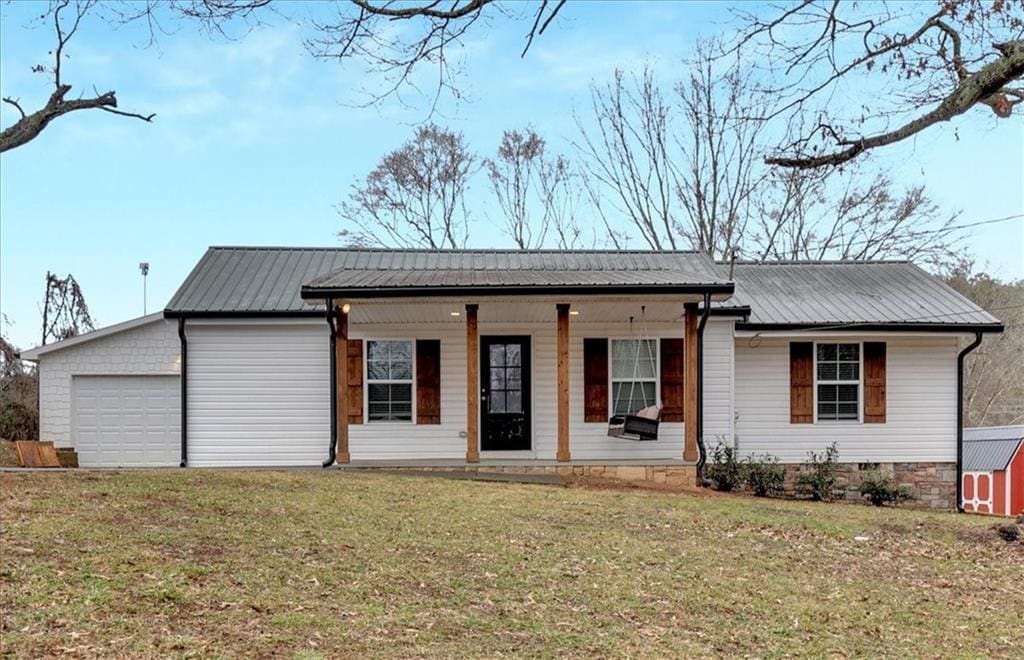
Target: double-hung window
[838, 371]
[389, 380]
[634, 375]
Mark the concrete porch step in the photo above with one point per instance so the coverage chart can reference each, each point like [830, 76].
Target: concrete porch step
[503, 477]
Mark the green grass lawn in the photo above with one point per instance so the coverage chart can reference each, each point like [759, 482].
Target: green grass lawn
[331, 563]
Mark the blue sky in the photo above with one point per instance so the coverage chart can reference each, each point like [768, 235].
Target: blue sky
[255, 142]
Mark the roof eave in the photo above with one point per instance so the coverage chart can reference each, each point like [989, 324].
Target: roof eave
[876, 327]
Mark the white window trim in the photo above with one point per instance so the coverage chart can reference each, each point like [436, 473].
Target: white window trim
[657, 372]
[366, 383]
[860, 383]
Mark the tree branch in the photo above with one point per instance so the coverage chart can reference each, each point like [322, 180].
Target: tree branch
[982, 87]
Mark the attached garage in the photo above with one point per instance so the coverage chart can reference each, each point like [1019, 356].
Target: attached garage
[258, 393]
[126, 421]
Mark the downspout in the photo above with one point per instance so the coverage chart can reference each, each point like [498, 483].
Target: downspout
[331, 455]
[960, 420]
[702, 457]
[183, 375]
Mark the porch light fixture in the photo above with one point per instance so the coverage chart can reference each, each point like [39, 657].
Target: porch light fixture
[345, 308]
[574, 312]
[455, 313]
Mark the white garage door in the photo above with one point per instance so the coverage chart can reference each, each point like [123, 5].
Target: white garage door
[126, 421]
[258, 395]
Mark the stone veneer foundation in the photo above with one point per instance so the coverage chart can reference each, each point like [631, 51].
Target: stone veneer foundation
[932, 485]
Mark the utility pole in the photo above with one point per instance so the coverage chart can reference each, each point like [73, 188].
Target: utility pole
[144, 269]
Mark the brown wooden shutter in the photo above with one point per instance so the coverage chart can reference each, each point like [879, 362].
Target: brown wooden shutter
[595, 380]
[673, 368]
[428, 381]
[801, 382]
[874, 382]
[355, 381]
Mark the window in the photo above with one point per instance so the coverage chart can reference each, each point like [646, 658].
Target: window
[838, 370]
[634, 375]
[389, 381]
[506, 374]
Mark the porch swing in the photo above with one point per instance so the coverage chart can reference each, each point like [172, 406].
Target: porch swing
[641, 425]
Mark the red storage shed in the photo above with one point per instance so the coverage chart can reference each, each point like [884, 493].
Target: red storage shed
[993, 472]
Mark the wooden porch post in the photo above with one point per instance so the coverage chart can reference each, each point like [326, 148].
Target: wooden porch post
[563, 382]
[341, 384]
[472, 386]
[690, 381]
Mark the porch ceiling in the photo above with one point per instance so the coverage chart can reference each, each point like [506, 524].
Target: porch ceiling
[517, 310]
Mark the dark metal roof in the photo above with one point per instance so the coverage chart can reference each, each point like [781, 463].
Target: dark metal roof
[991, 448]
[889, 294]
[265, 280]
[880, 295]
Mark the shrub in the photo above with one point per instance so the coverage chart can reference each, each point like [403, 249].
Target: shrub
[765, 477]
[880, 490]
[817, 478]
[725, 471]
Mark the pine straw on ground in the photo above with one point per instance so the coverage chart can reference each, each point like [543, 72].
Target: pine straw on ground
[328, 563]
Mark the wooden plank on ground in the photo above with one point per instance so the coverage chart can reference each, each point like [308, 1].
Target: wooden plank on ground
[36, 454]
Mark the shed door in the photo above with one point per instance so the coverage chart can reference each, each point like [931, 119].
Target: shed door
[126, 421]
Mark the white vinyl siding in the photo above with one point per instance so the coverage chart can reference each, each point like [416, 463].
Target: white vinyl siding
[258, 393]
[920, 404]
[588, 441]
[150, 349]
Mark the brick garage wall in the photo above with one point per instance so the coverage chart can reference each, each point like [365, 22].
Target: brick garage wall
[148, 349]
[933, 485]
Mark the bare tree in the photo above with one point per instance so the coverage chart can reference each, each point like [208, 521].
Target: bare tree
[993, 380]
[916, 64]
[847, 215]
[65, 313]
[561, 197]
[19, 387]
[535, 192]
[718, 170]
[362, 30]
[66, 17]
[628, 170]
[723, 198]
[415, 197]
[513, 174]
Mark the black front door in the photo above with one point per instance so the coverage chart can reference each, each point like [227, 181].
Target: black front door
[504, 393]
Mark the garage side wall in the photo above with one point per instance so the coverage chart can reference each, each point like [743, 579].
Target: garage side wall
[258, 392]
[151, 349]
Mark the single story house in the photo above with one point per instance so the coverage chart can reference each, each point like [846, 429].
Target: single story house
[522, 360]
[993, 470]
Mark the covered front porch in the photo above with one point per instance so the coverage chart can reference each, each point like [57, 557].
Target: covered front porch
[519, 384]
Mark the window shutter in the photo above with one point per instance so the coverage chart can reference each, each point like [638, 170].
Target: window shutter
[673, 368]
[428, 381]
[595, 380]
[874, 382]
[355, 381]
[801, 382]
